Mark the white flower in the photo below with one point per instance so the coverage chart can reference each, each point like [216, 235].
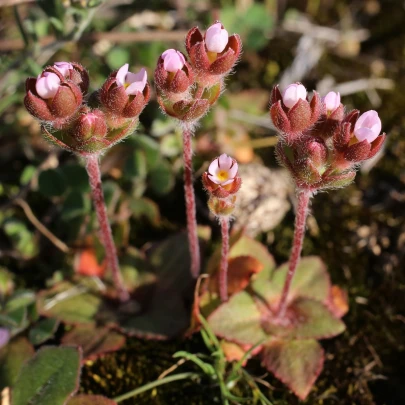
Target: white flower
[223, 170]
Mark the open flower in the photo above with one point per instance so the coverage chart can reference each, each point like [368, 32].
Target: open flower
[222, 179]
[132, 82]
[293, 93]
[216, 38]
[368, 126]
[223, 170]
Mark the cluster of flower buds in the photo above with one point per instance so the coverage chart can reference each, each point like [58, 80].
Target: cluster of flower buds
[319, 143]
[187, 88]
[57, 98]
[222, 182]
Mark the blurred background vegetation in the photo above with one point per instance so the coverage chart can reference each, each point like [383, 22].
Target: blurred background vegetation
[354, 47]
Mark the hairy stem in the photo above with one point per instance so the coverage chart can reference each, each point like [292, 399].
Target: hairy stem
[223, 270]
[299, 232]
[93, 170]
[194, 246]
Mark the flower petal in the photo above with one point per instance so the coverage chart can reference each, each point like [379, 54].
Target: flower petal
[121, 74]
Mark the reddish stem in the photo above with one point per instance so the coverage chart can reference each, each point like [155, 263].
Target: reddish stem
[223, 271]
[93, 170]
[299, 232]
[194, 246]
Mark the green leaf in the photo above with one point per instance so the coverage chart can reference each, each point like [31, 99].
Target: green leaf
[94, 340]
[43, 330]
[22, 239]
[296, 363]
[27, 174]
[49, 378]
[136, 165]
[238, 320]
[51, 183]
[12, 358]
[309, 319]
[75, 205]
[90, 400]
[150, 148]
[145, 208]
[69, 303]
[311, 280]
[161, 178]
[76, 177]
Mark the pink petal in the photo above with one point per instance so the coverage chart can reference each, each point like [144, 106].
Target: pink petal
[47, 85]
[225, 162]
[216, 38]
[137, 82]
[63, 67]
[365, 134]
[293, 93]
[332, 101]
[233, 170]
[121, 74]
[214, 179]
[227, 182]
[213, 167]
[173, 60]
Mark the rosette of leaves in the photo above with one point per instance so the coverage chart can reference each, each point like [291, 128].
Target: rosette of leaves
[290, 347]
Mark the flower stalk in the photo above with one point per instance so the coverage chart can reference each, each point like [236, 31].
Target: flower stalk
[223, 271]
[93, 171]
[189, 196]
[304, 197]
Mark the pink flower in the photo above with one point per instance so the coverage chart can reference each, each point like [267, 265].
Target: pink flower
[332, 101]
[133, 82]
[63, 67]
[216, 38]
[223, 170]
[368, 126]
[47, 85]
[293, 93]
[173, 60]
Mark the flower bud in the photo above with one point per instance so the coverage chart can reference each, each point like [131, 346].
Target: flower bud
[291, 113]
[173, 60]
[124, 94]
[216, 38]
[222, 207]
[51, 97]
[90, 125]
[63, 67]
[293, 93]
[368, 126]
[212, 56]
[173, 75]
[222, 179]
[331, 101]
[47, 85]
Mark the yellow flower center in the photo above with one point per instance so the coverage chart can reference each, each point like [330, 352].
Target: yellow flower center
[222, 175]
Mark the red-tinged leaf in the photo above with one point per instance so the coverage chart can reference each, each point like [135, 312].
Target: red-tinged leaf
[12, 357]
[90, 400]
[94, 341]
[338, 181]
[238, 320]
[300, 116]
[86, 264]
[342, 137]
[235, 352]
[240, 269]
[193, 37]
[305, 319]
[311, 280]
[338, 301]
[351, 117]
[297, 363]
[247, 246]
